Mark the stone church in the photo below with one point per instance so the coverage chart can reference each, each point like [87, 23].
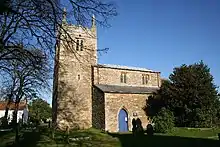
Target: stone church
[87, 94]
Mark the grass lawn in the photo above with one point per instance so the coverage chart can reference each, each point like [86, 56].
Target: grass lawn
[6, 138]
[195, 133]
[179, 137]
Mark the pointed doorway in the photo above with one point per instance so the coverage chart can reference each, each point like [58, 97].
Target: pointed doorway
[123, 120]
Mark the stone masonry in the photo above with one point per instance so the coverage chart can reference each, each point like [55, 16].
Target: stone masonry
[111, 76]
[132, 103]
[72, 96]
[109, 103]
[87, 94]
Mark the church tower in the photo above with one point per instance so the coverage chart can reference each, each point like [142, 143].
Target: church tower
[72, 86]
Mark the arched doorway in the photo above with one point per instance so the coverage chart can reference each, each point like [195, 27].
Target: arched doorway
[123, 120]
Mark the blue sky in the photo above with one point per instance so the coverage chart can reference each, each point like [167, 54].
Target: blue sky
[163, 34]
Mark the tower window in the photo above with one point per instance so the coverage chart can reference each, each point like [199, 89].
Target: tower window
[77, 44]
[145, 79]
[78, 77]
[123, 77]
[81, 45]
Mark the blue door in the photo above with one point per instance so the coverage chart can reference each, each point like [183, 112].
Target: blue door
[123, 121]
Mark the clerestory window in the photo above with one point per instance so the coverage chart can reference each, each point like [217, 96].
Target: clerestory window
[123, 78]
[145, 79]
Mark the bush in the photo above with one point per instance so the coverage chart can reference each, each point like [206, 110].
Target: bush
[3, 122]
[164, 121]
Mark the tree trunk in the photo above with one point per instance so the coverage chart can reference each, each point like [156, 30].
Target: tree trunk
[6, 111]
[16, 124]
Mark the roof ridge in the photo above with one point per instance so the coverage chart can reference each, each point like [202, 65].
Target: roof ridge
[124, 67]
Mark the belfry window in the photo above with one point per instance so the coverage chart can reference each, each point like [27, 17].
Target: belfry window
[77, 44]
[123, 77]
[145, 79]
[81, 45]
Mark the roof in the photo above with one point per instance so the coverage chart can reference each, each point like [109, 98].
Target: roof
[126, 89]
[3, 105]
[124, 67]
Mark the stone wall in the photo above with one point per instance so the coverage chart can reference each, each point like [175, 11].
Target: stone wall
[133, 78]
[98, 109]
[75, 105]
[72, 96]
[74, 102]
[132, 103]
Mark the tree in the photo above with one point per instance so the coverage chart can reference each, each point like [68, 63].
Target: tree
[158, 100]
[28, 78]
[36, 23]
[191, 95]
[25, 78]
[164, 121]
[40, 109]
[39, 23]
[4, 6]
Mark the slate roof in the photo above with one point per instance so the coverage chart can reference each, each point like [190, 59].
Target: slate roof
[126, 89]
[124, 67]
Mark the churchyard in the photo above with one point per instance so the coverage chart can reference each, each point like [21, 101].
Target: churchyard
[44, 40]
[41, 137]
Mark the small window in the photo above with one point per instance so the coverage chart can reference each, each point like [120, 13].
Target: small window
[77, 44]
[78, 77]
[123, 77]
[81, 45]
[145, 79]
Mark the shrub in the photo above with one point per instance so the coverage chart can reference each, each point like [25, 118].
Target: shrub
[164, 121]
[3, 122]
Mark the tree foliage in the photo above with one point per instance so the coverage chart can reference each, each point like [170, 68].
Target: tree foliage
[164, 121]
[40, 109]
[190, 94]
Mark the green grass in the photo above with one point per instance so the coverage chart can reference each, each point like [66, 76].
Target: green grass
[6, 138]
[179, 137]
[210, 133]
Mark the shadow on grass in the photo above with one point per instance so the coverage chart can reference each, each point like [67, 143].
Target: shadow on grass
[128, 140]
[29, 139]
[3, 133]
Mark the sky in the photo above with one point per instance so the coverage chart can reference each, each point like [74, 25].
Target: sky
[163, 34]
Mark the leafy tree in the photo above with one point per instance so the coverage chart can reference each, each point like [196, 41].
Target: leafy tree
[40, 109]
[158, 100]
[164, 121]
[191, 95]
